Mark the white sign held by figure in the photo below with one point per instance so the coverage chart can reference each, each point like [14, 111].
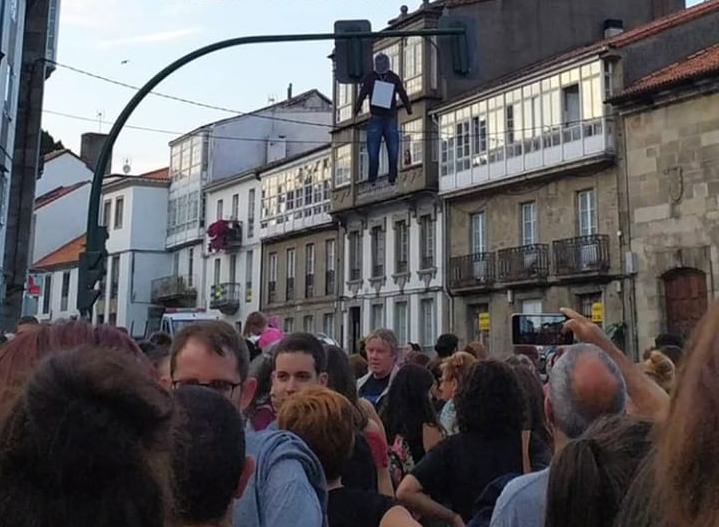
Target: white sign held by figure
[382, 94]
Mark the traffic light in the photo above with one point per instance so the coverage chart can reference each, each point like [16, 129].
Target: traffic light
[459, 54]
[91, 270]
[352, 56]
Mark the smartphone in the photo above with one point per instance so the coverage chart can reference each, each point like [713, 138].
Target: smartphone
[544, 329]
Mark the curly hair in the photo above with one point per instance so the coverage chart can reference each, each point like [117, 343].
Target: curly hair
[456, 365]
[490, 401]
[325, 421]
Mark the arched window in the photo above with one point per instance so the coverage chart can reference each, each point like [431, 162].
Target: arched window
[685, 295]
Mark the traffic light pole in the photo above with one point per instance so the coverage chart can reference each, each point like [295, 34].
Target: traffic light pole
[92, 261]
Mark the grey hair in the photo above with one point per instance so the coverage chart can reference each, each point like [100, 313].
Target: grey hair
[387, 336]
[570, 413]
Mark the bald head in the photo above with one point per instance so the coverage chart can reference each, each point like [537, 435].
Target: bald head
[584, 385]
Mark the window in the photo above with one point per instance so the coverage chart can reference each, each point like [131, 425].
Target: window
[233, 269]
[343, 165]
[251, 213]
[509, 123]
[220, 205]
[107, 213]
[529, 223]
[308, 324]
[478, 323]
[377, 316]
[272, 278]
[586, 216]
[190, 266]
[176, 263]
[248, 276]
[570, 106]
[446, 150]
[119, 206]
[401, 230]
[426, 236]
[13, 10]
[289, 326]
[401, 320]
[216, 277]
[427, 324]
[412, 75]
[309, 270]
[479, 136]
[463, 154]
[115, 277]
[47, 294]
[290, 282]
[9, 87]
[478, 233]
[235, 207]
[355, 256]
[412, 143]
[328, 324]
[65, 290]
[532, 307]
[586, 301]
[330, 259]
[378, 252]
[344, 102]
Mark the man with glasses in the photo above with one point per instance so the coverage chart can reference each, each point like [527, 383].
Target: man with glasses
[287, 485]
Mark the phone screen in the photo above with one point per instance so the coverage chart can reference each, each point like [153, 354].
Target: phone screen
[540, 330]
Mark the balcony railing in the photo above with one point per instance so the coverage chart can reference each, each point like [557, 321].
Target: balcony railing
[271, 292]
[309, 285]
[169, 288]
[473, 270]
[401, 266]
[584, 254]
[525, 263]
[225, 297]
[290, 288]
[330, 280]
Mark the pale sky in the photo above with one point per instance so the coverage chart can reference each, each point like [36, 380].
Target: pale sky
[99, 35]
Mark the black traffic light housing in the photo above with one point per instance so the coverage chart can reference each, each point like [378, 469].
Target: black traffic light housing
[353, 56]
[459, 54]
[91, 270]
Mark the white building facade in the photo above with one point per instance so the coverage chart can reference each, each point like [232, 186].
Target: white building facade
[55, 276]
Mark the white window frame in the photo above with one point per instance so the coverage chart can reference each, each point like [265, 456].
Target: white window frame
[462, 145]
[586, 213]
[377, 316]
[342, 165]
[528, 213]
[291, 262]
[401, 321]
[412, 143]
[478, 233]
[428, 322]
[446, 149]
[413, 54]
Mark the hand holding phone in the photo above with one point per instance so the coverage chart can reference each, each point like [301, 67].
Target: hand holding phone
[545, 329]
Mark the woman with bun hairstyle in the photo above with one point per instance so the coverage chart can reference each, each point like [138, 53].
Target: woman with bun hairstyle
[87, 442]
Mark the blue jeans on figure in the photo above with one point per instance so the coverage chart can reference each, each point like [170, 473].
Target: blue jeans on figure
[377, 129]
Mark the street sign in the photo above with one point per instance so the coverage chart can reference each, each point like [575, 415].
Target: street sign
[484, 321]
[597, 312]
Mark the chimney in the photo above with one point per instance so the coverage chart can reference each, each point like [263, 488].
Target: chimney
[613, 27]
[91, 144]
[289, 91]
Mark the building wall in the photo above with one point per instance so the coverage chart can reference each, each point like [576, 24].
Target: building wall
[62, 171]
[673, 183]
[59, 222]
[56, 308]
[322, 302]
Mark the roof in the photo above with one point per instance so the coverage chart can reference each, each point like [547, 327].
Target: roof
[57, 193]
[292, 101]
[58, 153]
[160, 173]
[701, 64]
[67, 254]
[619, 41]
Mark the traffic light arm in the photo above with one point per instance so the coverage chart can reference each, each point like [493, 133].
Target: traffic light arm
[96, 235]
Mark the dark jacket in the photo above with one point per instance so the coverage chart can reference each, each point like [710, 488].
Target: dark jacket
[368, 87]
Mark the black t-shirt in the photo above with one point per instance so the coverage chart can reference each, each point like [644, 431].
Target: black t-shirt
[373, 388]
[456, 471]
[359, 472]
[356, 508]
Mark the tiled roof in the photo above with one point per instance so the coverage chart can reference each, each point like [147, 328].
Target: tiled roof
[160, 173]
[57, 193]
[705, 62]
[67, 254]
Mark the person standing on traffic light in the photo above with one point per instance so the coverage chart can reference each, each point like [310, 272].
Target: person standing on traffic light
[382, 86]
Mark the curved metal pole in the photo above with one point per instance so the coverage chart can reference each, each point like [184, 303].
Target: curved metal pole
[97, 235]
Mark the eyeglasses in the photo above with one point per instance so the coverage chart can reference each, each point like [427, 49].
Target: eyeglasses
[222, 387]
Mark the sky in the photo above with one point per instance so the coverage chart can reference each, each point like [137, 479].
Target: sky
[131, 40]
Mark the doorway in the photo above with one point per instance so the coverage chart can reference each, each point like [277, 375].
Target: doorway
[355, 323]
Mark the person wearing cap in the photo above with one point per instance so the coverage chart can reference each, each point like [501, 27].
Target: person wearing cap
[382, 86]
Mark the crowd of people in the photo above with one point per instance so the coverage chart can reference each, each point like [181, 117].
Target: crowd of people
[213, 428]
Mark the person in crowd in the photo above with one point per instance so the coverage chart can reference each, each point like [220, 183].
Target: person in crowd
[324, 420]
[435, 368]
[417, 357]
[341, 380]
[26, 323]
[21, 355]
[300, 361]
[159, 356]
[536, 424]
[660, 369]
[59, 462]
[260, 412]
[287, 482]
[603, 463]
[446, 345]
[453, 369]
[585, 384]
[208, 459]
[160, 338]
[490, 415]
[359, 365]
[382, 350]
[477, 349]
[259, 331]
[671, 345]
[530, 352]
[409, 418]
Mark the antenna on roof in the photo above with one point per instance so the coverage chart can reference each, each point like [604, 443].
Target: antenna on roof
[100, 115]
[271, 99]
[126, 167]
